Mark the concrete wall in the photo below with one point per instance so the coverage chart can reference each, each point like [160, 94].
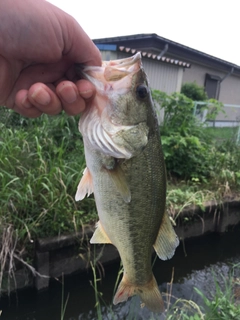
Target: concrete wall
[65, 255]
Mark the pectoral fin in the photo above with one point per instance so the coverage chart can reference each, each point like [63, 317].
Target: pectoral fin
[118, 177]
[85, 186]
[100, 235]
[167, 240]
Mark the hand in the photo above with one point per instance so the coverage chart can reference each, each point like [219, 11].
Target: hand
[39, 45]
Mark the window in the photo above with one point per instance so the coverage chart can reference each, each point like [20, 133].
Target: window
[212, 86]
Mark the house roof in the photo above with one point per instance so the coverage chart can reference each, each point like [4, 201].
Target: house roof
[145, 54]
[157, 57]
[153, 43]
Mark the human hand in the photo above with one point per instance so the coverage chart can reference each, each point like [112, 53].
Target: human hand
[39, 45]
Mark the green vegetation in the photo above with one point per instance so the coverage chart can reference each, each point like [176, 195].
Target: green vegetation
[222, 304]
[41, 164]
[227, 134]
[192, 152]
[42, 160]
[184, 142]
[193, 91]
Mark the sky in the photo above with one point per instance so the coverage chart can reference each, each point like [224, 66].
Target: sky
[210, 26]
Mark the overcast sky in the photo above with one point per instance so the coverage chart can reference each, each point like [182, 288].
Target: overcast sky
[210, 26]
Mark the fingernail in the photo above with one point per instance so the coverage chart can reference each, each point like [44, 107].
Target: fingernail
[68, 94]
[86, 94]
[41, 97]
[26, 103]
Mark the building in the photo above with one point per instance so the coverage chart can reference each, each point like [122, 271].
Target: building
[170, 64]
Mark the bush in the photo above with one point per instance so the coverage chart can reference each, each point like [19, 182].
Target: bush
[192, 151]
[193, 91]
[185, 144]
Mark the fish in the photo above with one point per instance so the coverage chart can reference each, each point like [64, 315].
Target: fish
[125, 170]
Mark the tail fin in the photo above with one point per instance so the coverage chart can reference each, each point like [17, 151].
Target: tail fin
[149, 294]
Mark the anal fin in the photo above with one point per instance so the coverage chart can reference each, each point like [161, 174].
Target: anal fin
[167, 240]
[100, 235]
[85, 186]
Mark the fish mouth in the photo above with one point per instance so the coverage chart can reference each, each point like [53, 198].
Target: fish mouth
[123, 63]
[111, 71]
[116, 70]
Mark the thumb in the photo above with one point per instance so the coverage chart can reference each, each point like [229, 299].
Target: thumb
[78, 47]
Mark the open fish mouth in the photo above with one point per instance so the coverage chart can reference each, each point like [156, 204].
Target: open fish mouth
[110, 71]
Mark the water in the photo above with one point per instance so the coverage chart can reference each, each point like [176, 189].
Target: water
[204, 255]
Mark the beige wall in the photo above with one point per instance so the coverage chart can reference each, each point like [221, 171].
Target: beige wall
[229, 88]
[162, 76]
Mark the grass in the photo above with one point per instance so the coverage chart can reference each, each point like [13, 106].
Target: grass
[222, 133]
[180, 197]
[224, 302]
[41, 163]
[64, 301]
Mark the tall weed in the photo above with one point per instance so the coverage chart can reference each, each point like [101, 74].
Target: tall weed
[41, 163]
[224, 302]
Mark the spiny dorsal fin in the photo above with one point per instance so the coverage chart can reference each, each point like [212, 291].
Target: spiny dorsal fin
[85, 186]
[100, 235]
[118, 177]
[167, 240]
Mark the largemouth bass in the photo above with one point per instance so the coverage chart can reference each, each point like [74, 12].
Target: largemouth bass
[126, 172]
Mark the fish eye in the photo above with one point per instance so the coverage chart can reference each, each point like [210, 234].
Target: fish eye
[142, 91]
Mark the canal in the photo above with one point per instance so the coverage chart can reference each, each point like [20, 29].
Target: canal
[196, 262]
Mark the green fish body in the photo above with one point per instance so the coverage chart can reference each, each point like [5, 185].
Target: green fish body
[126, 172]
